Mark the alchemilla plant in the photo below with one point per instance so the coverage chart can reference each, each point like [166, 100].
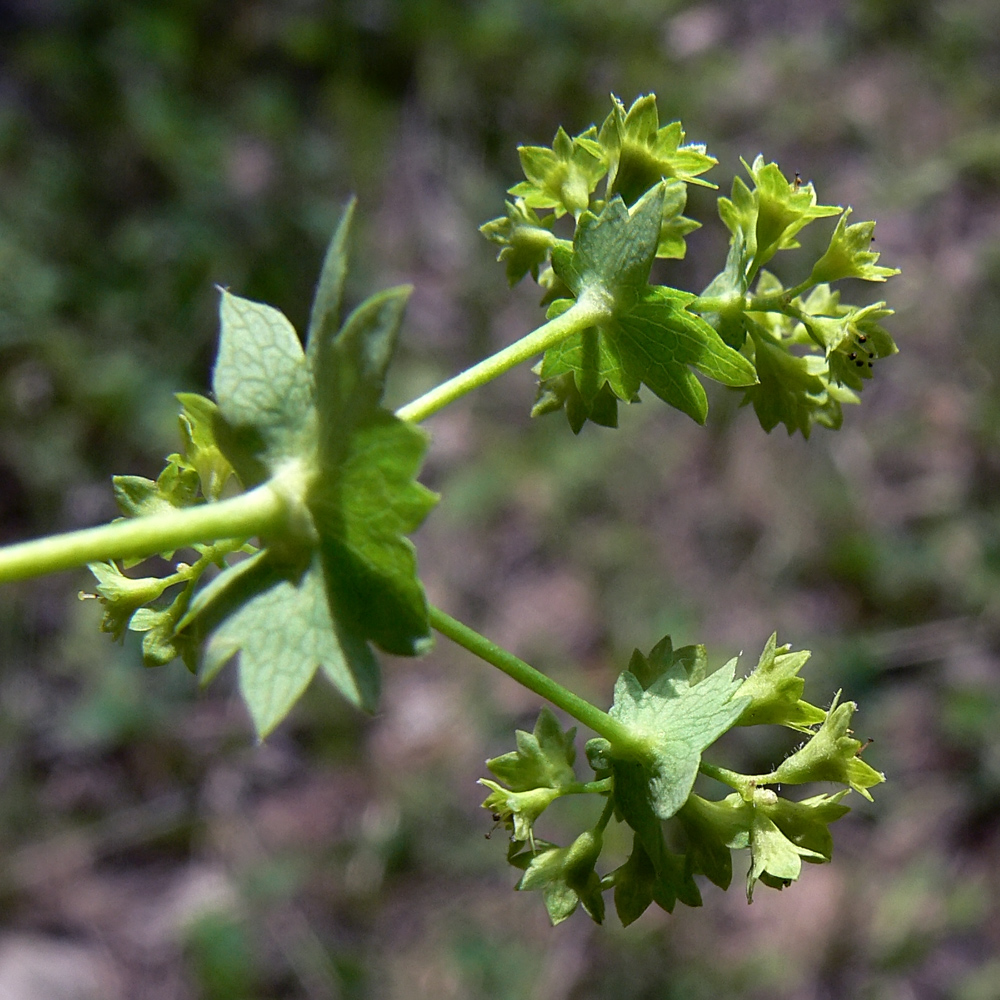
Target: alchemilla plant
[286, 512]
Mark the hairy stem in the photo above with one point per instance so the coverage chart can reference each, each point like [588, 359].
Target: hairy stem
[580, 709]
[583, 313]
[256, 512]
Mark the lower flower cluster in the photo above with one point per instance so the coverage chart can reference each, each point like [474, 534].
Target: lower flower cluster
[673, 708]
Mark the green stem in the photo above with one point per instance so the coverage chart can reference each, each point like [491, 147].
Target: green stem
[733, 304]
[590, 787]
[742, 783]
[580, 709]
[606, 814]
[253, 513]
[738, 782]
[583, 313]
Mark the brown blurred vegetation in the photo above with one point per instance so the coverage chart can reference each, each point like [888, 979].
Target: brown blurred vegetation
[152, 149]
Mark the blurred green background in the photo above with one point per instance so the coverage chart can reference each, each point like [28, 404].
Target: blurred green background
[153, 149]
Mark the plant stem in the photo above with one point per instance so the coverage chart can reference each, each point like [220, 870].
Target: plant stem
[734, 304]
[580, 709]
[742, 783]
[255, 512]
[583, 313]
[738, 782]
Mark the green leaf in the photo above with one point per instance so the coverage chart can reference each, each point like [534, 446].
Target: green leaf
[849, 255]
[639, 153]
[613, 252]
[324, 317]
[283, 635]
[678, 720]
[365, 499]
[562, 391]
[659, 339]
[563, 177]
[655, 341]
[649, 668]
[638, 883]
[592, 356]
[524, 239]
[832, 755]
[263, 388]
[775, 690]
[344, 574]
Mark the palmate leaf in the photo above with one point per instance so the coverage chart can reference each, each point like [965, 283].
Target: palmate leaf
[283, 634]
[680, 719]
[678, 715]
[650, 339]
[346, 575]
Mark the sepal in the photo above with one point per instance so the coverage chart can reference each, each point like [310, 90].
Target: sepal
[525, 240]
[849, 255]
[639, 153]
[561, 177]
[832, 755]
[567, 877]
[771, 852]
[775, 690]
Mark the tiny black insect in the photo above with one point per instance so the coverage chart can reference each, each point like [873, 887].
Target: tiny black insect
[853, 355]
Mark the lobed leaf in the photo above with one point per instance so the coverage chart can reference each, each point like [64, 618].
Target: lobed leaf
[283, 635]
[263, 388]
[678, 719]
